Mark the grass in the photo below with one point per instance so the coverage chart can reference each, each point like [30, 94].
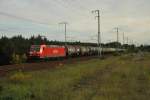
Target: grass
[124, 77]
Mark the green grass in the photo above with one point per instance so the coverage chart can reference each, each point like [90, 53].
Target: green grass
[124, 77]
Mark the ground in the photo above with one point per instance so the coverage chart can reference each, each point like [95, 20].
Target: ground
[125, 77]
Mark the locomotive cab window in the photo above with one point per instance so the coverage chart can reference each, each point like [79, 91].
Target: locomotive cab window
[35, 48]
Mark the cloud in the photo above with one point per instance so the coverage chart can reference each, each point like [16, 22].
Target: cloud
[35, 16]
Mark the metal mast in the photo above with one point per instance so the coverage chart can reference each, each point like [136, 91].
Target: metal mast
[65, 25]
[117, 42]
[123, 39]
[117, 34]
[99, 32]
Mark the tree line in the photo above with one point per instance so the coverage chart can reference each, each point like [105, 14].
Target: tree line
[15, 49]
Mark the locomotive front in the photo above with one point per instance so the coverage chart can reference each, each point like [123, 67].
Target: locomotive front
[35, 51]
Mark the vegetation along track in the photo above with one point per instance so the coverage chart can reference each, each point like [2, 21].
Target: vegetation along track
[4, 70]
[125, 77]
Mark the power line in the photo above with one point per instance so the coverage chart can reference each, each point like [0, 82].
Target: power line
[65, 5]
[22, 18]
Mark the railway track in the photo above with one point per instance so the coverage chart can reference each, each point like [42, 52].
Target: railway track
[34, 66]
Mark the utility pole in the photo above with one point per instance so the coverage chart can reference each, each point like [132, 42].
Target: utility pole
[3, 35]
[65, 25]
[127, 40]
[99, 33]
[117, 30]
[123, 41]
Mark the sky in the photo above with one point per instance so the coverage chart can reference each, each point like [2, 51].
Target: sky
[33, 17]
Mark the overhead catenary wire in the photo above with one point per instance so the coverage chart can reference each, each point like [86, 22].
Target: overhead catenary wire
[57, 3]
[65, 5]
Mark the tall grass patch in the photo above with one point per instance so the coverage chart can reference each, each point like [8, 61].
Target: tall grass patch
[114, 78]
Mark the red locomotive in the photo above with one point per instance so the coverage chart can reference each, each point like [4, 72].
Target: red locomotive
[47, 51]
[56, 51]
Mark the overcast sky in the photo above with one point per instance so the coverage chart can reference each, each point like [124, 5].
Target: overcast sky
[33, 17]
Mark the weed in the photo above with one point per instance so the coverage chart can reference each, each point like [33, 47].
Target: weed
[114, 78]
[19, 77]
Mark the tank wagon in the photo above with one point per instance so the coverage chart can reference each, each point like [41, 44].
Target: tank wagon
[57, 51]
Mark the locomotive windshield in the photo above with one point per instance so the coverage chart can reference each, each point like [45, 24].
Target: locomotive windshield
[35, 48]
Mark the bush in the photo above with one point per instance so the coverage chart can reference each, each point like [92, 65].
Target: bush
[17, 59]
[24, 58]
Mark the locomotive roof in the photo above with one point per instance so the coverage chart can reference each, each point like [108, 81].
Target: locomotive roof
[49, 45]
[54, 46]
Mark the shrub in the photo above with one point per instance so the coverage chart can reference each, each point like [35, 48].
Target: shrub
[17, 59]
[24, 58]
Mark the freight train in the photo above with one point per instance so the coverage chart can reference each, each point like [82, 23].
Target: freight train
[57, 51]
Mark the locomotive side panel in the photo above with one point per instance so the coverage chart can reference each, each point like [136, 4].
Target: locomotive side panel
[47, 51]
[53, 52]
